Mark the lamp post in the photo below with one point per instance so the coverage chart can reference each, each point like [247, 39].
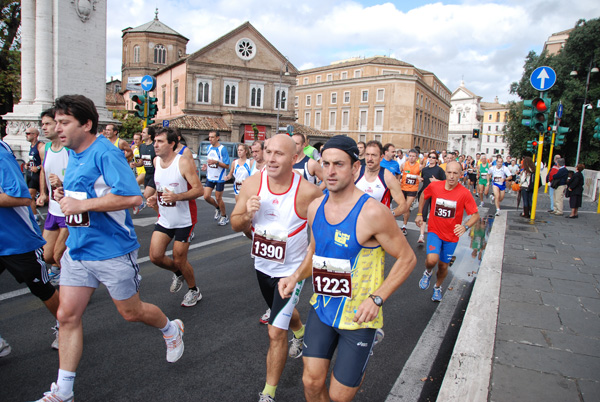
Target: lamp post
[585, 104]
[278, 96]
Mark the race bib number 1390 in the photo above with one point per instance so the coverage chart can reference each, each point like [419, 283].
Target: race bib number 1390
[268, 248]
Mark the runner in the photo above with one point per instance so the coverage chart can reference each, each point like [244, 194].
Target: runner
[379, 182]
[53, 173]
[498, 174]
[274, 204]
[389, 160]
[305, 166]
[411, 178]
[147, 155]
[361, 152]
[483, 184]
[21, 252]
[183, 149]
[111, 132]
[430, 174]
[32, 169]
[102, 246]
[140, 172]
[471, 183]
[514, 171]
[448, 200]
[178, 186]
[350, 231]
[258, 148]
[241, 168]
[216, 166]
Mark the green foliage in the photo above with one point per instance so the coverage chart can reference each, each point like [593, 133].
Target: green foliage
[10, 56]
[582, 47]
[129, 124]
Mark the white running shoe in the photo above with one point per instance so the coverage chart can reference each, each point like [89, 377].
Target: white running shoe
[54, 396]
[191, 298]
[5, 348]
[481, 204]
[498, 212]
[217, 214]
[265, 398]
[295, 347]
[175, 343]
[265, 317]
[421, 239]
[176, 283]
[223, 221]
[55, 342]
[54, 275]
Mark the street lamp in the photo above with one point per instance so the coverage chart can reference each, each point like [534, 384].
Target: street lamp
[585, 104]
[278, 97]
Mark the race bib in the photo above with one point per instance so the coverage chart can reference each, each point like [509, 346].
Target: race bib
[332, 277]
[159, 198]
[445, 208]
[411, 179]
[237, 185]
[79, 220]
[270, 245]
[497, 179]
[147, 160]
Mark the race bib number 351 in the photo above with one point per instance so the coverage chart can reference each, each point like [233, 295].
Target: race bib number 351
[332, 277]
[445, 208]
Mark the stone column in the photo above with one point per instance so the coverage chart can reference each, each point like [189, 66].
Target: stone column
[43, 53]
[27, 51]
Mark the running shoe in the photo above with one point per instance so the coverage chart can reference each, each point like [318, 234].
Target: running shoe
[404, 230]
[296, 347]
[176, 283]
[265, 398]
[5, 348]
[492, 197]
[424, 282]
[54, 396]
[175, 343]
[223, 221]
[55, 342]
[138, 208]
[421, 239]
[481, 204]
[265, 317]
[54, 275]
[217, 214]
[379, 334]
[498, 212]
[191, 298]
[437, 294]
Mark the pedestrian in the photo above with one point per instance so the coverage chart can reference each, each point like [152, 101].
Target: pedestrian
[350, 235]
[549, 178]
[217, 163]
[559, 183]
[575, 191]
[526, 180]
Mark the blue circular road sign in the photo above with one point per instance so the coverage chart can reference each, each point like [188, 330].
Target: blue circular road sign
[148, 83]
[543, 78]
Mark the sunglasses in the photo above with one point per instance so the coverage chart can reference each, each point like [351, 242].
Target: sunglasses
[433, 157]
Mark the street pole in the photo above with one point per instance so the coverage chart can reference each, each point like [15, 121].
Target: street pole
[536, 184]
[278, 96]
[549, 165]
[587, 85]
[145, 122]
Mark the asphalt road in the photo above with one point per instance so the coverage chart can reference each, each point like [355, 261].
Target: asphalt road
[225, 345]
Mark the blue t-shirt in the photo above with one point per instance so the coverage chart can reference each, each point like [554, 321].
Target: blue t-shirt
[392, 166]
[93, 173]
[20, 233]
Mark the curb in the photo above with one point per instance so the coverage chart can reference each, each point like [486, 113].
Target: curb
[469, 370]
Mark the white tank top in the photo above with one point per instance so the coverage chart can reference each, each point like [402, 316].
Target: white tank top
[55, 162]
[279, 235]
[179, 214]
[240, 173]
[375, 188]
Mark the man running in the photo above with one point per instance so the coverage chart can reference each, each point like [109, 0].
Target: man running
[111, 132]
[178, 186]
[147, 155]
[217, 163]
[361, 152]
[273, 204]
[102, 246]
[350, 231]
[258, 148]
[448, 202]
[140, 172]
[307, 167]
[483, 184]
[379, 182]
[498, 175]
[33, 168]
[411, 178]
[53, 173]
[389, 160]
[430, 174]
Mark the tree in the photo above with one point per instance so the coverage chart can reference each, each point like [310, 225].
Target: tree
[581, 48]
[10, 56]
[129, 123]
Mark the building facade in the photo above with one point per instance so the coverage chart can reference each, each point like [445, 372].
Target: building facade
[378, 98]
[556, 42]
[466, 115]
[495, 118]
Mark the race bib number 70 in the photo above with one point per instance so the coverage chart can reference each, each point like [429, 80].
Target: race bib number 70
[332, 277]
[78, 220]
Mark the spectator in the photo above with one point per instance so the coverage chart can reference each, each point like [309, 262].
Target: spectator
[527, 179]
[575, 191]
[549, 177]
[560, 178]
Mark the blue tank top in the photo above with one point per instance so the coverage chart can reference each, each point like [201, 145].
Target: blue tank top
[367, 267]
[34, 152]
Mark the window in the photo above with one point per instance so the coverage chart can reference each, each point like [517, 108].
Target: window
[345, 118]
[283, 102]
[318, 79]
[317, 119]
[502, 151]
[305, 80]
[136, 54]
[357, 73]
[495, 138]
[378, 119]
[417, 98]
[319, 99]
[307, 100]
[344, 75]
[332, 121]
[362, 137]
[333, 98]
[364, 97]
[230, 90]
[496, 128]
[296, 101]
[498, 116]
[256, 95]
[380, 94]
[487, 151]
[175, 92]
[160, 54]
[489, 139]
[489, 128]
[245, 49]
[329, 77]
[459, 117]
[363, 120]
[164, 96]
[490, 117]
[346, 96]
[378, 137]
[307, 119]
[203, 90]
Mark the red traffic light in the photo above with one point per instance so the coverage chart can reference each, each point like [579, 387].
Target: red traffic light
[137, 100]
[539, 105]
[534, 144]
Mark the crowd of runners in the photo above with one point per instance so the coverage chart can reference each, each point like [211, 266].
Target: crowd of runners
[328, 215]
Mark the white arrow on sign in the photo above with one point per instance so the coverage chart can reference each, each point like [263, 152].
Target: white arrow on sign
[148, 82]
[543, 76]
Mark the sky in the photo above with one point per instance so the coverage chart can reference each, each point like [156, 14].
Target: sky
[481, 42]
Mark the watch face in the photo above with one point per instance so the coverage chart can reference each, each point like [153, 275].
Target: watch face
[378, 300]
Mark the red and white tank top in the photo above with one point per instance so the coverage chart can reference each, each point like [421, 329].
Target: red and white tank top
[178, 214]
[279, 234]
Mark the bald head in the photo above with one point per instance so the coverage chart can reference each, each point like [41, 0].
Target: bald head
[283, 141]
[454, 166]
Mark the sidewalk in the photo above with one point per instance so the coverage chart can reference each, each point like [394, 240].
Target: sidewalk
[532, 328]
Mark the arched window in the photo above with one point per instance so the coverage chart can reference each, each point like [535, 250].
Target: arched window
[498, 116]
[203, 92]
[160, 54]
[136, 54]
[280, 99]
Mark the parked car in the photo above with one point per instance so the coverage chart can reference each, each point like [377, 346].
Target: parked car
[203, 151]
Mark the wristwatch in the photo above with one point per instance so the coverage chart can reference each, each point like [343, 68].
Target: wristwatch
[466, 227]
[377, 300]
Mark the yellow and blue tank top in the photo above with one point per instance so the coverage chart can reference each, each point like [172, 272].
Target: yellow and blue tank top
[367, 268]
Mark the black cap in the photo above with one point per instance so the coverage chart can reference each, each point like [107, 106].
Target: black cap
[343, 143]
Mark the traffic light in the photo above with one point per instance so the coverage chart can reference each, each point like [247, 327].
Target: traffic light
[152, 110]
[140, 106]
[540, 112]
[560, 138]
[597, 129]
[476, 132]
[527, 113]
[530, 145]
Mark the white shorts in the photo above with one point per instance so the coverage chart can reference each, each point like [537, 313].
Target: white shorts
[120, 275]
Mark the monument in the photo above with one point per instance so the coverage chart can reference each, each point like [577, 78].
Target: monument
[63, 51]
